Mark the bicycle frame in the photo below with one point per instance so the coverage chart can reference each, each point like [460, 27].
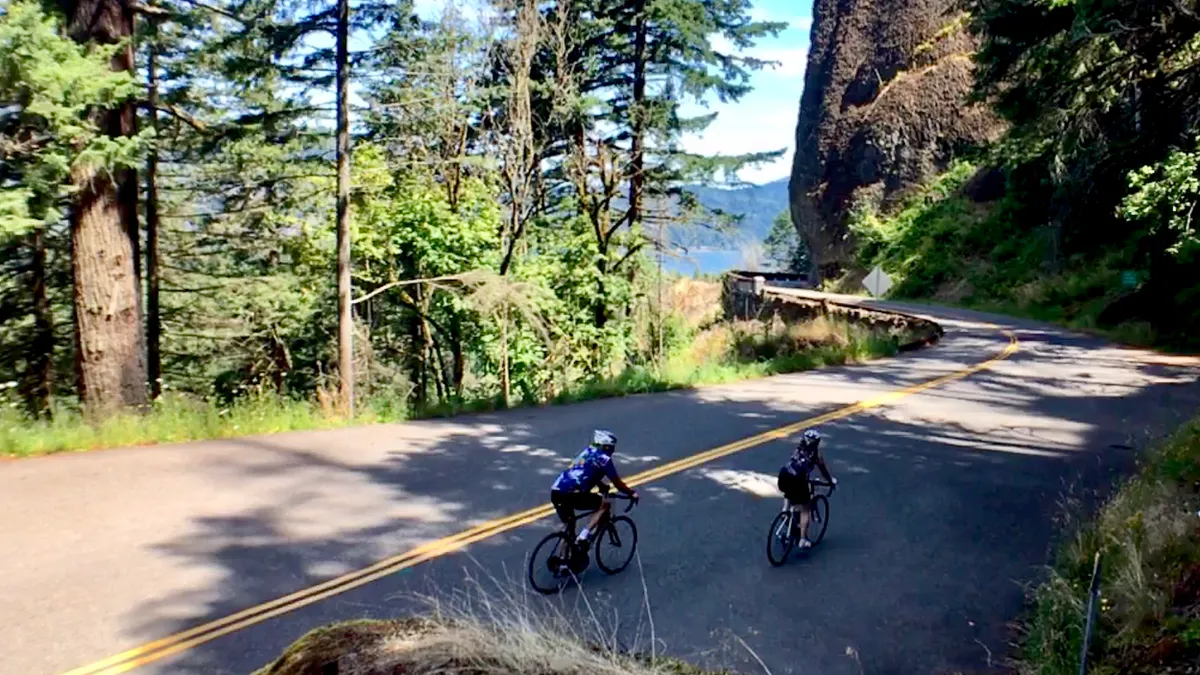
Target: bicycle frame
[793, 509]
[570, 529]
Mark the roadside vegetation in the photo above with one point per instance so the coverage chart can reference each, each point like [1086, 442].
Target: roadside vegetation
[516, 179]
[1148, 535]
[1083, 213]
[434, 646]
[699, 348]
[484, 627]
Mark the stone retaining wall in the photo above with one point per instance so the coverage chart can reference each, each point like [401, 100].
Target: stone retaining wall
[749, 298]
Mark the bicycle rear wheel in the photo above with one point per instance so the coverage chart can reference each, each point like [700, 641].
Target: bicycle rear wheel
[549, 568]
[818, 520]
[779, 539]
[616, 544]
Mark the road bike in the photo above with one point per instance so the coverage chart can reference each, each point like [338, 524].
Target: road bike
[615, 539]
[785, 529]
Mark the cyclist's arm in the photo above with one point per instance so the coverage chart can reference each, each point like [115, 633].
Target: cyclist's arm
[824, 469]
[620, 485]
[610, 470]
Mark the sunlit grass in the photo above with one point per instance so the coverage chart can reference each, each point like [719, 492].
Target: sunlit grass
[721, 354]
[743, 351]
[172, 419]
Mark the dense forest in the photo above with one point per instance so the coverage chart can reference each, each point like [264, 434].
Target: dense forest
[346, 201]
[1083, 212]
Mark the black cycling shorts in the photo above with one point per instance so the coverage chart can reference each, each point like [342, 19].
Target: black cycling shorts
[567, 503]
[794, 488]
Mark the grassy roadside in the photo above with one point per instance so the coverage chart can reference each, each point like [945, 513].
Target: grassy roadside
[940, 245]
[430, 647]
[485, 626]
[1148, 535]
[718, 354]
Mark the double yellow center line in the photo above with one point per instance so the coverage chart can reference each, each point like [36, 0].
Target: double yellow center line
[182, 641]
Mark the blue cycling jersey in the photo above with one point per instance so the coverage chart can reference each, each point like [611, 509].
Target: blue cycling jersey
[586, 471]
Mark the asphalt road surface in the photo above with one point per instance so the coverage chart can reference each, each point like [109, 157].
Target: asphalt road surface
[947, 506]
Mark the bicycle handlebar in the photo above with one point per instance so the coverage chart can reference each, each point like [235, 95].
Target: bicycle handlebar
[626, 498]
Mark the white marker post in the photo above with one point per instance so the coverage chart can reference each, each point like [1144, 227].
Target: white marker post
[877, 282]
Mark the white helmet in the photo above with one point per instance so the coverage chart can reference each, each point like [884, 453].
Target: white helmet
[604, 440]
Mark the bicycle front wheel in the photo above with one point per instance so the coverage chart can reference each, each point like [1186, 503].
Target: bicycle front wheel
[819, 519]
[779, 539]
[616, 545]
[549, 565]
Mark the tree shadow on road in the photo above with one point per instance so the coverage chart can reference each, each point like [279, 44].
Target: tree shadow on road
[946, 509]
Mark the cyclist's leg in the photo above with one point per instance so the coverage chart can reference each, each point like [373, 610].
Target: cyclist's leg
[587, 501]
[561, 501]
[804, 500]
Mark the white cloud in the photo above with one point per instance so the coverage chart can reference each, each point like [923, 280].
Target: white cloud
[793, 22]
[791, 60]
[796, 23]
[746, 128]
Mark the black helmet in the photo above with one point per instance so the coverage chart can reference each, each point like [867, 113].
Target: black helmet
[810, 440]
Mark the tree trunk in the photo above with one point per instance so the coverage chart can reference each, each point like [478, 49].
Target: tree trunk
[429, 352]
[345, 310]
[637, 179]
[153, 306]
[111, 355]
[39, 380]
[600, 307]
[456, 350]
[505, 383]
[416, 338]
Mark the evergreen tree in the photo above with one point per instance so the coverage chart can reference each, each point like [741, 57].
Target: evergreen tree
[784, 247]
[633, 63]
[69, 136]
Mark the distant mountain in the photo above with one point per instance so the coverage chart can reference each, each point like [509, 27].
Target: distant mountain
[758, 205]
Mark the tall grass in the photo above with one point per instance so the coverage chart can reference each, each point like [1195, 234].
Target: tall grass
[745, 350]
[724, 353]
[171, 419]
[494, 630]
[1148, 535]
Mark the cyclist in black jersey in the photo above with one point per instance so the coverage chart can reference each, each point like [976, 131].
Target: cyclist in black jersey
[794, 476]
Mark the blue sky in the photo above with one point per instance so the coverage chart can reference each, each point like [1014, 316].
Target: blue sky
[765, 119]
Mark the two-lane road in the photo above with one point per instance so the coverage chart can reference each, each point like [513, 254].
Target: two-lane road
[203, 558]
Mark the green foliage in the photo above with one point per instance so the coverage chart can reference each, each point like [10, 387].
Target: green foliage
[933, 238]
[172, 419]
[784, 247]
[467, 290]
[1164, 198]
[55, 84]
[1101, 98]
[744, 351]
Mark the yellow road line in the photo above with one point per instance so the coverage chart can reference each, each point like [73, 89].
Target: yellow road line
[182, 641]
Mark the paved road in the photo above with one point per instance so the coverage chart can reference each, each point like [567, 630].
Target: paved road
[946, 507]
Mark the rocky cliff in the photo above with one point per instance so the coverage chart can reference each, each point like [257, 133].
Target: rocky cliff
[884, 108]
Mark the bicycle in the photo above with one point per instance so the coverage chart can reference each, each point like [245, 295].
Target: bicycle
[568, 559]
[784, 529]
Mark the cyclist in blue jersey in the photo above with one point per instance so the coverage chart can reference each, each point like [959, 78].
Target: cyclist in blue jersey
[572, 490]
[793, 478]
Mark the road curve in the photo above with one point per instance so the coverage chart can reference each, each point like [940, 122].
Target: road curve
[946, 506]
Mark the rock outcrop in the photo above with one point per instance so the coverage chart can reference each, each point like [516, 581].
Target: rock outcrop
[884, 108]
